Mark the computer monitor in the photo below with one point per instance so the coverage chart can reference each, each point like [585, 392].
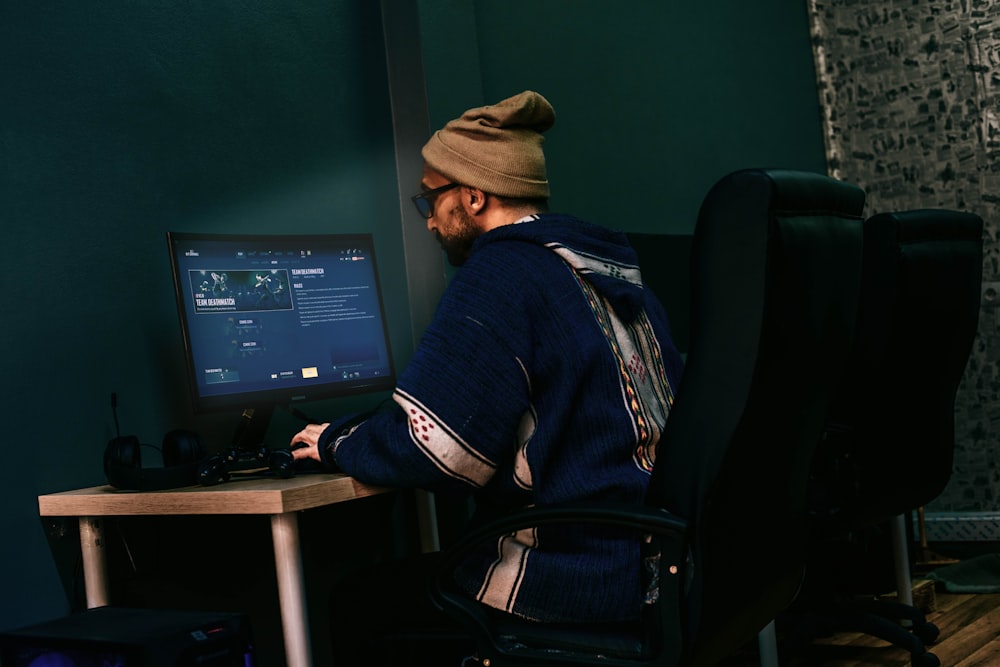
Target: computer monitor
[274, 320]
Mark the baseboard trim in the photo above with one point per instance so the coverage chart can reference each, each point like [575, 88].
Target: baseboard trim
[961, 526]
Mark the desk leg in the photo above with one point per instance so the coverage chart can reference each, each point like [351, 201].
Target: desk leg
[291, 589]
[95, 577]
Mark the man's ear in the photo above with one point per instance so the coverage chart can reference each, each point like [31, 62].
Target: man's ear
[474, 199]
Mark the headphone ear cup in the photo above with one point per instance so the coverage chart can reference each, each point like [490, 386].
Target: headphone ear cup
[181, 447]
[123, 452]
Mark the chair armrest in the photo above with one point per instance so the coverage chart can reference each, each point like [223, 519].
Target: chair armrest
[625, 515]
[632, 642]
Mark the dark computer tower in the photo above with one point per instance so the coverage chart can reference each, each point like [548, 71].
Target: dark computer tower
[119, 637]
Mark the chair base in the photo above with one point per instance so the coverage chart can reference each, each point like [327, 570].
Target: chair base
[899, 624]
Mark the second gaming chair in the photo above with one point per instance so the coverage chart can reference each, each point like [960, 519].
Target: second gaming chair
[890, 437]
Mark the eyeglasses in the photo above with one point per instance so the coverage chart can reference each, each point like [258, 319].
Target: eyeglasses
[425, 200]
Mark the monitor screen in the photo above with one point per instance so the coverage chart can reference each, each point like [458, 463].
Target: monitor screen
[274, 320]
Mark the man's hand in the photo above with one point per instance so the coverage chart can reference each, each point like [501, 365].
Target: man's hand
[305, 443]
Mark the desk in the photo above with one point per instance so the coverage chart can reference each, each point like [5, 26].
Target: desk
[279, 498]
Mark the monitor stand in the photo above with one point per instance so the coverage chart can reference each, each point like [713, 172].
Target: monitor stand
[252, 428]
[248, 451]
[247, 456]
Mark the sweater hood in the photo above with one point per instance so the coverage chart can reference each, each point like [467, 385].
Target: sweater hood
[601, 257]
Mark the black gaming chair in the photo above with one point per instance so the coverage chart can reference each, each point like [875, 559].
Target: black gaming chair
[776, 266]
[891, 434]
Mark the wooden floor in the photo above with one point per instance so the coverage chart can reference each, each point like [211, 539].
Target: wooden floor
[969, 637]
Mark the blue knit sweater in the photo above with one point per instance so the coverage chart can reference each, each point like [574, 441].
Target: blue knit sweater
[546, 376]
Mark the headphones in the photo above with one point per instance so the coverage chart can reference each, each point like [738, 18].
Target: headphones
[182, 454]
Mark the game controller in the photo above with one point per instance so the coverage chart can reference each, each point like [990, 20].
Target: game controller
[218, 468]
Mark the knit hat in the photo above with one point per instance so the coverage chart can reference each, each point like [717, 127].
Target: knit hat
[496, 148]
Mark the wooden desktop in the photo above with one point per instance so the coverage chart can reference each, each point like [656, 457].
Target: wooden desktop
[279, 498]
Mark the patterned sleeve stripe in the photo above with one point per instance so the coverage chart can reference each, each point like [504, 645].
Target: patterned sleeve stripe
[503, 580]
[442, 446]
[522, 470]
[525, 432]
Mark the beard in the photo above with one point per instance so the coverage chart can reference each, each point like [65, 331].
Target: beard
[457, 245]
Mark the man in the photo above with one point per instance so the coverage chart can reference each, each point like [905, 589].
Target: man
[546, 375]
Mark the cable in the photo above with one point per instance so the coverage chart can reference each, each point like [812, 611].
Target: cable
[295, 412]
[114, 413]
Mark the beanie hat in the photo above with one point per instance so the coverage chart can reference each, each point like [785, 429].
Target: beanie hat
[496, 148]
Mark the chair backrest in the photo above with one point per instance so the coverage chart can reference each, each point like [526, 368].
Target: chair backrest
[891, 435]
[776, 267]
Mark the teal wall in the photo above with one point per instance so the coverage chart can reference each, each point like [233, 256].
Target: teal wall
[654, 100]
[122, 120]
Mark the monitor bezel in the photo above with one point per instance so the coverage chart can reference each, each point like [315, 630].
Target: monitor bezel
[280, 396]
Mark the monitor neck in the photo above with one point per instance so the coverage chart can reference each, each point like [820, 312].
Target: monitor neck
[251, 430]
